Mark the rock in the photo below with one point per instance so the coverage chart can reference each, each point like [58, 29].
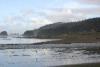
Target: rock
[3, 33]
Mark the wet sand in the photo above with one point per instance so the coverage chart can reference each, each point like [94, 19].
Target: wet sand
[82, 65]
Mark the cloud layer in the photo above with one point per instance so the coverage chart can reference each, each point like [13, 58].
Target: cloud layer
[95, 2]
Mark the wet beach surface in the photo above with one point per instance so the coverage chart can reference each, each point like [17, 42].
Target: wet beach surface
[21, 53]
[50, 56]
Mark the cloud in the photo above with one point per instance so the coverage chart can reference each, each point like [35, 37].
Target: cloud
[88, 11]
[20, 23]
[63, 15]
[73, 14]
[96, 2]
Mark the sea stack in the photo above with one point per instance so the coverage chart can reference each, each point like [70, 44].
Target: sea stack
[3, 34]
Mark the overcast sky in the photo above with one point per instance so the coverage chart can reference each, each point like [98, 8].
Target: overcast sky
[21, 15]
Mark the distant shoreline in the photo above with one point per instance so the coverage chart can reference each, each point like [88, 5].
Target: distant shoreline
[90, 37]
[66, 42]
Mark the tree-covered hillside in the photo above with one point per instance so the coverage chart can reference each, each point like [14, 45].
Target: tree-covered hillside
[60, 28]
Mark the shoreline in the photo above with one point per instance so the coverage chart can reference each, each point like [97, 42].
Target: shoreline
[49, 44]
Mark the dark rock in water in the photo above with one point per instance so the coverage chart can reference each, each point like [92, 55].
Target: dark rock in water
[3, 34]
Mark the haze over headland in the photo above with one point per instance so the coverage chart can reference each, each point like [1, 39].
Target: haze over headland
[21, 15]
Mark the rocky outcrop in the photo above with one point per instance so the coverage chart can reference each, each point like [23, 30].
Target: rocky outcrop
[4, 34]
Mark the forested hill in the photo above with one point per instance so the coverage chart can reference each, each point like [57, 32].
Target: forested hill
[60, 28]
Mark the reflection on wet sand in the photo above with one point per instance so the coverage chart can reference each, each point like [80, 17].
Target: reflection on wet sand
[43, 57]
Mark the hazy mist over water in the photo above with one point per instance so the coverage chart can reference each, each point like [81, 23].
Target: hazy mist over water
[11, 40]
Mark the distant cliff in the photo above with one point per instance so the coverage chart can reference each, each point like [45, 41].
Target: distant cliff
[3, 34]
[60, 28]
